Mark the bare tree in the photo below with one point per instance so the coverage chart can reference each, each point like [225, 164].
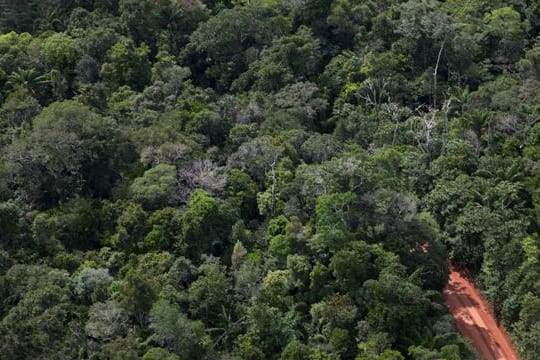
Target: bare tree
[201, 174]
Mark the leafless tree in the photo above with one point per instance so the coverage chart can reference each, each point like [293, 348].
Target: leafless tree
[201, 174]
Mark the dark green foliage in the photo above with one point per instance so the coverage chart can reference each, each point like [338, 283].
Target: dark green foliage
[137, 296]
[240, 30]
[290, 58]
[90, 285]
[71, 150]
[166, 230]
[265, 179]
[157, 187]
[127, 65]
[39, 313]
[176, 332]
[208, 295]
[205, 225]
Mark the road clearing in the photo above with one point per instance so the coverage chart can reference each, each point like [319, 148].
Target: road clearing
[475, 320]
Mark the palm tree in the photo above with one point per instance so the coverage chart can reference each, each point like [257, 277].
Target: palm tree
[51, 21]
[28, 79]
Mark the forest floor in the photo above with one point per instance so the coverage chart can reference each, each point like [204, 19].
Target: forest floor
[475, 320]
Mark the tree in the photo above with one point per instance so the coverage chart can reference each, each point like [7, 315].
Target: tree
[20, 107]
[296, 106]
[506, 32]
[33, 15]
[131, 228]
[157, 187]
[37, 324]
[208, 295]
[37, 314]
[29, 80]
[127, 65]
[296, 57]
[527, 328]
[295, 350]
[238, 30]
[76, 224]
[350, 19]
[198, 118]
[106, 321]
[158, 354]
[254, 179]
[320, 148]
[359, 262]
[90, 285]
[10, 223]
[256, 157]
[60, 52]
[334, 210]
[269, 331]
[182, 273]
[312, 13]
[171, 21]
[241, 192]
[136, 296]
[468, 234]
[396, 306]
[166, 231]
[71, 150]
[174, 331]
[270, 201]
[426, 30]
[337, 312]
[205, 225]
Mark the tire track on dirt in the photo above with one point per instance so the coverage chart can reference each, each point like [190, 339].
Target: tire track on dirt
[466, 318]
[475, 321]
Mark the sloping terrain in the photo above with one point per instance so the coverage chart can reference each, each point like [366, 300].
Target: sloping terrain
[475, 321]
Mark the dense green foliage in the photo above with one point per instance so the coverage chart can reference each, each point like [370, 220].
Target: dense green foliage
[265, 179]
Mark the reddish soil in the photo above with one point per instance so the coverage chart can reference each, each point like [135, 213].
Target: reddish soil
[475, 320]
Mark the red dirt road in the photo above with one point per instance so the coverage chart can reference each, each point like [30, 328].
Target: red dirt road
[475, 321]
